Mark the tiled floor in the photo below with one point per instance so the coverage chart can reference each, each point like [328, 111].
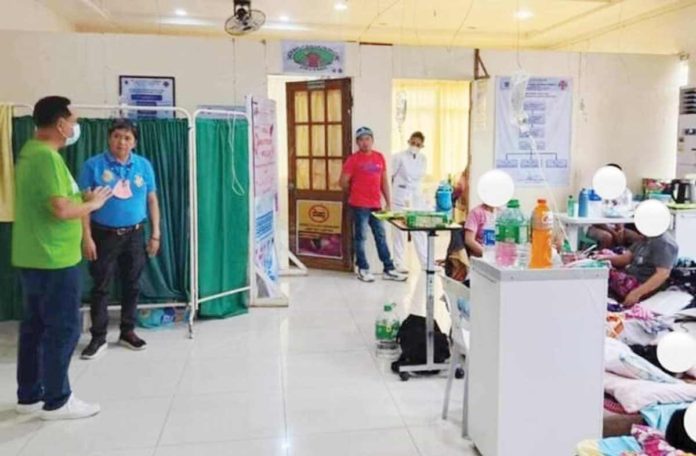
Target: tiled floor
[299, 381]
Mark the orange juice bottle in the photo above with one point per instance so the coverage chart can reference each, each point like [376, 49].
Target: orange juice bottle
[542, 236]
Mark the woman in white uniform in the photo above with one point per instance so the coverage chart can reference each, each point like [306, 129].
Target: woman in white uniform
[407, 172]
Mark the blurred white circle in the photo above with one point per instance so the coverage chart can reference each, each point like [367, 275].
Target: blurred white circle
[609, 182]
[652, 218]
[676, 352]
[690, 421]
[495, 188]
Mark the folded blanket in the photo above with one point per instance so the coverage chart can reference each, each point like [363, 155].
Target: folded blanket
[635, 395]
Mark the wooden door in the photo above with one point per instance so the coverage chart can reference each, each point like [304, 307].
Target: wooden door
[319, 140]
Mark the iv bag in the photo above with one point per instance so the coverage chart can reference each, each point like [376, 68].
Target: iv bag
[518, 85]
[401, 107]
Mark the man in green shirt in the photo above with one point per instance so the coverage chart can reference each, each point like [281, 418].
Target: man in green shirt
[46, 247]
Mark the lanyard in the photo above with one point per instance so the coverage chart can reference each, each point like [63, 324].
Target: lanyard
[121, 170]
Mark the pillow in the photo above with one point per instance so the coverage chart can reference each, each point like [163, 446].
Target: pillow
[620, 359]
[667, 302]
[635, 395]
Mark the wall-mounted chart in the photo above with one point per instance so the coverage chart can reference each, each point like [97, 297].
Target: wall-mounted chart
[533, 146]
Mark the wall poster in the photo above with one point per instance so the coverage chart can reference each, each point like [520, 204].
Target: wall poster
[154, 91]
[539, 152]
[319, 226]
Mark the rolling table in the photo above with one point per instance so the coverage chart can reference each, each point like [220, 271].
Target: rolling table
[430, 365]
[573, 225]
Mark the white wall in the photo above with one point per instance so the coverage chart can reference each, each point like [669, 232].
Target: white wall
[630, 101]
[31, 15]
[86, 67]
[629, 116]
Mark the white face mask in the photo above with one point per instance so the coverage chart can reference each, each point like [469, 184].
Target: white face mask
[69, 141]
[414, 150]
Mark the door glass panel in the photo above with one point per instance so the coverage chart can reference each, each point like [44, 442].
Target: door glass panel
[335, 140]
[334, 105]
[302, 141]
[319, 174]
[302, 174]
[318, 141]
[317, 97]
[335, 167]
[301, 107]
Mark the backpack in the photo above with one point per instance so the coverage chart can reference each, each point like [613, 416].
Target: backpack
[411, 339]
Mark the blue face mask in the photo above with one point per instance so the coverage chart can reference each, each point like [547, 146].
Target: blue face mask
[75, 136]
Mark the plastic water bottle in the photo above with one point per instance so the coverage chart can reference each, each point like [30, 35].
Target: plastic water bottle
[509, 235]
[443, 198]
[542, 236]
[595, 206]
[583, 203]
[572, 204]
[386, 327]
[489, 239]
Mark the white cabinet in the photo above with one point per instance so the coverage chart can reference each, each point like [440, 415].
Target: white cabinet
[536, 363]
[684, 231]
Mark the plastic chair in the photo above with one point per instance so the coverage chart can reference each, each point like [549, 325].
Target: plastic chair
[457, 298]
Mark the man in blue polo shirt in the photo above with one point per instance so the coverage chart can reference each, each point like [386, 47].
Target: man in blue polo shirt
[114, 236]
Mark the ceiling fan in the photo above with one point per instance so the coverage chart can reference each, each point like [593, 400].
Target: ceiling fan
[244, 19]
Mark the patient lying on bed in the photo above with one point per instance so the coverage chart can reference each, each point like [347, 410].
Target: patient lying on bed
[642, 269]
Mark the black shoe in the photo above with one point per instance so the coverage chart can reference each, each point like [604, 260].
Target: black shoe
[95, 349]
[130, 340]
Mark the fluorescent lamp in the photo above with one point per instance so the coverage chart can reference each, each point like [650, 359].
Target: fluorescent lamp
[284, 18]
[341, 6]
[523, 15]
[284, 27]
[180, 12]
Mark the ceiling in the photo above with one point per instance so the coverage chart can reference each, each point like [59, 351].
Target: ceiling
[654, 25]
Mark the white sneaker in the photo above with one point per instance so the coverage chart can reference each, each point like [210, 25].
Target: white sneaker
[365, 275]
[401, 269]
[29, 409]
[74, 409]
[395, 276]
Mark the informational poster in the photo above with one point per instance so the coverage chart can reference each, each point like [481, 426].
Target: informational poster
[317, 58]
[152, 91]
[533, 146]
[319, 225]
[263, 118]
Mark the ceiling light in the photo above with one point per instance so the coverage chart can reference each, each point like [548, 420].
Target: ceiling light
[180, 12]
[341, 6]
[284, 18]
[523, 15]
[285, 27]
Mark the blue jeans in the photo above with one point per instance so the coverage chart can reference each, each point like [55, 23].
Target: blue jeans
[362, 217]
[48, 335]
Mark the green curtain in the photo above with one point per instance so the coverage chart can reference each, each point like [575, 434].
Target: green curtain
[223, 214]
[10, 293]
[165, 143]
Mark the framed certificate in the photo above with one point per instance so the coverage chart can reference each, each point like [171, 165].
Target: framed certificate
[157, 91]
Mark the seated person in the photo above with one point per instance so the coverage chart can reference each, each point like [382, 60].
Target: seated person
[473, 228]
[460, 198]
[609, 236]
[642, 269]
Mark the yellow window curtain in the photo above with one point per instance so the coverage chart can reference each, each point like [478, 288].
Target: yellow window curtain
[439, 109]
[6, 165]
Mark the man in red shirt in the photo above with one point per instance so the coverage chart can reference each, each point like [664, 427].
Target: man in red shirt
[364, 177]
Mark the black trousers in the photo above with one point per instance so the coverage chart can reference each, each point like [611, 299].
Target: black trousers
[122, 253]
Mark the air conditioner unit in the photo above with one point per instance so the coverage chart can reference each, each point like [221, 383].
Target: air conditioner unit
[686, 140]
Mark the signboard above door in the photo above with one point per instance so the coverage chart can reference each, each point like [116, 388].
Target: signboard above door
[316, 58]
